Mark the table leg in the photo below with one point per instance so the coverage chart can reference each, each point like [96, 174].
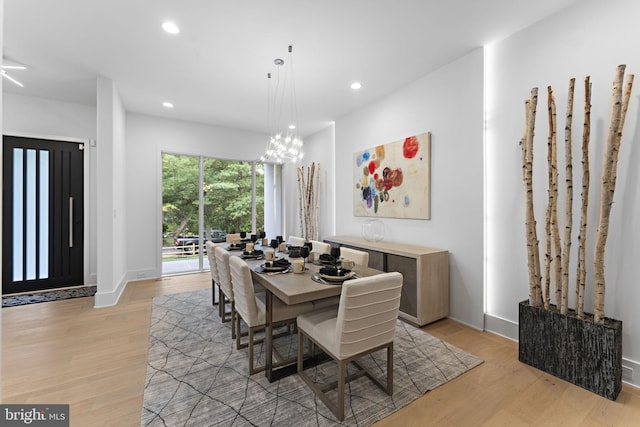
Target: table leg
[268, 336]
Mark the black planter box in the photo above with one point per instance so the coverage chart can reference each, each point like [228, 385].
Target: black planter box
[575, 350]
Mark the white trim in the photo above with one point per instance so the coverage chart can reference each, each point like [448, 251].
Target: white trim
[509, 329]
[108, 299]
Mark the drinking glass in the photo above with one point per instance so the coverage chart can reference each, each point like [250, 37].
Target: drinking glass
[335, 253]
[304, 253]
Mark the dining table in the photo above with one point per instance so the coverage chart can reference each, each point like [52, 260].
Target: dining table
[293, 288]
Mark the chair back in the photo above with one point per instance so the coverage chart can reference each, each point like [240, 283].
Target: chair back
[361, 258]
[243, 291]
[367, 313]
[295, 241]
[224, 274]
[211, 255]
[232, 237]
[320, 247]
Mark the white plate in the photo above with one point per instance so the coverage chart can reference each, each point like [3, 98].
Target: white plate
[347, 276]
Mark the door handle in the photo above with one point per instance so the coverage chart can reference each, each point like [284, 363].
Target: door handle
[70, 222]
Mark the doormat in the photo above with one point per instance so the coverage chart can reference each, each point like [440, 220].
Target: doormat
[36, 297]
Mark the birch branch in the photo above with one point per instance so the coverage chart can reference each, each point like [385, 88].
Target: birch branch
[533, 258]
[582, 236]
[606, 194]
[553, 198]
[568, 218]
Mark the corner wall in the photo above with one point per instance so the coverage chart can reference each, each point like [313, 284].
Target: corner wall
[591, 38]
[147, 138]
[449, 104]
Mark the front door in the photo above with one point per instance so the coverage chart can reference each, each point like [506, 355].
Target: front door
[42, 229]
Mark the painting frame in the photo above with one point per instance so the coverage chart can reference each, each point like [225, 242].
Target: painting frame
[393, 180]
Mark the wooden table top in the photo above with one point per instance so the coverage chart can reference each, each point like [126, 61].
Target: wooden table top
[295, 288]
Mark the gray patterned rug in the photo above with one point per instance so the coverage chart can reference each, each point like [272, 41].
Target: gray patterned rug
[196, 377]
[46, 296]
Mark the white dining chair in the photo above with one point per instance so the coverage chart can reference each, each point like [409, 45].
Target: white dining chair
[224, 283]
[213, 267]
[363, 323]
[295, 241]
[319, 247]
[252, 310]
[233, 237]
[361, 258]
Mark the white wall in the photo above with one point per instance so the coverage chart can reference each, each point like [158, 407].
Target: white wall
[46, 118]
[449, 104]
[589, 39]
[147, 138]
[111, 186]
[319, 148]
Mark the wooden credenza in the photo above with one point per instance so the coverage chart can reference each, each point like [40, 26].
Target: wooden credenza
[425, 291]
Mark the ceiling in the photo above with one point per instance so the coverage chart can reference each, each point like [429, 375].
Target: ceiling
[215, 70]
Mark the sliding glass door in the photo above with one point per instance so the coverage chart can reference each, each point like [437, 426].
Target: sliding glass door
[206, 199]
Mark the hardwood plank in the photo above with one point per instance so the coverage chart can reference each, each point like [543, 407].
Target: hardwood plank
[95, 359]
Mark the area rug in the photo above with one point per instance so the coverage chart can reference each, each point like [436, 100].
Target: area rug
[196, 377]
[36, 297]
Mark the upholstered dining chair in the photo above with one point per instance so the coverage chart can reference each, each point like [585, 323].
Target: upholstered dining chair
[232, 237]
[295, 241]
[363, 323]
[252, 310]
[215, 280]
[226, 290]
[319, 247]
[361, 258]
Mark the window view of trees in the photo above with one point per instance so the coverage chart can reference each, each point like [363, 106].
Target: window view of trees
[227, 201]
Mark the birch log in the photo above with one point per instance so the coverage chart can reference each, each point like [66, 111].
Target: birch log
[568, 212]
[607, 189]
[581, 275]
[553, 198]
[533, 257]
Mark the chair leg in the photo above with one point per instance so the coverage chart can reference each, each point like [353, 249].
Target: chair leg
[233, 318]
[390, 370]
[238, 334]
[341, 374]
[220, 304]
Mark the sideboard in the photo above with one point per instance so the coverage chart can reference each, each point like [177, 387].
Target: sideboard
[425, 291]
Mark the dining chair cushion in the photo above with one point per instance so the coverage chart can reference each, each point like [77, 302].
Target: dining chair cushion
[232, 237]
[213, 267]
[361, 258]
[224, 273]
[252, 309]
[365, 318]
[320, 247]
[295, 241]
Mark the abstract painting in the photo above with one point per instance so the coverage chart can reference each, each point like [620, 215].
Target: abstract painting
[393, 180]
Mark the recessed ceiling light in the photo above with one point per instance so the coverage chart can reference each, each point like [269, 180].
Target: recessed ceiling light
[170, 27]
[355, 85]
[167, 105]
[292, 126]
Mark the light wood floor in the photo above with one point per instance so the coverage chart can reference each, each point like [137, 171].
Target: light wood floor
[95, 360]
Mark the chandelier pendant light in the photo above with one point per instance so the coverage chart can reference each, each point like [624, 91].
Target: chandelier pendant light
[284, 144]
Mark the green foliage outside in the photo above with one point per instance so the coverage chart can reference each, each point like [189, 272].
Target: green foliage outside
[227, 195]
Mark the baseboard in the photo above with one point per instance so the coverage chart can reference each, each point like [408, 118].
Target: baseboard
[509, 329]
[503, 327]
[109, 299]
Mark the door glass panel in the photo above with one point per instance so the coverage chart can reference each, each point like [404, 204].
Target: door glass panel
[18, 211]
[43, 216]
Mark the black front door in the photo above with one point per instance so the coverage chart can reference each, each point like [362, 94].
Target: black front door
[42, 216]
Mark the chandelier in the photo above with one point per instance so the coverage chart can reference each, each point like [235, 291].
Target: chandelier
[285, 144]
